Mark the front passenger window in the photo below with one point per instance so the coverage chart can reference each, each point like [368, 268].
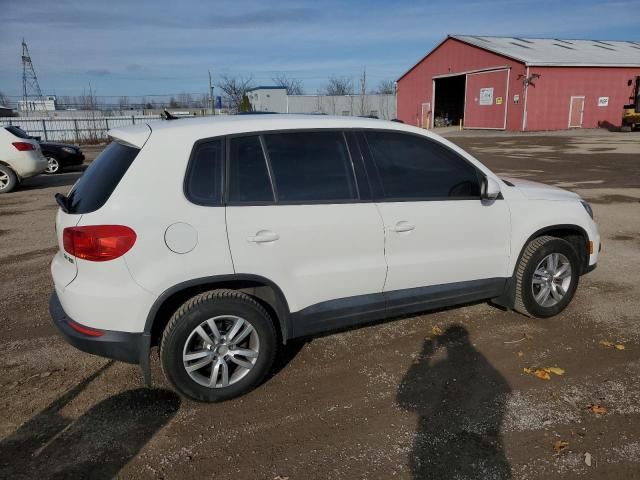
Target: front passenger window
[411, 167]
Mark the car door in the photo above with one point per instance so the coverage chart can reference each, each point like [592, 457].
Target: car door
[438, 231]
[297, 215]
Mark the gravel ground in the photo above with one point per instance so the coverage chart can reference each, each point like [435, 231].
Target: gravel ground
[440, 395]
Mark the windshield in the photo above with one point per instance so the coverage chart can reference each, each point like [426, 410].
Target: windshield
[101, 178]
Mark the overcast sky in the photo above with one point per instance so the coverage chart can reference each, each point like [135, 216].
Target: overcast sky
[128, 47]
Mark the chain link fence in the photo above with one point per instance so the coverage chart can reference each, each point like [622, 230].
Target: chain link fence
[78, 130]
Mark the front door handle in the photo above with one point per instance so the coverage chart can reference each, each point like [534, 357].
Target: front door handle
[264, 236]
[403, 226]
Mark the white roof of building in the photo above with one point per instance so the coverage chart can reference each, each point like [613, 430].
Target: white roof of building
[560, 52]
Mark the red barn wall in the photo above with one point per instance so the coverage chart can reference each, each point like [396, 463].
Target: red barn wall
[548, 102]
[453, 56]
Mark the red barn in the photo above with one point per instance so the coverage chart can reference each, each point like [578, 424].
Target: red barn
[520, 84]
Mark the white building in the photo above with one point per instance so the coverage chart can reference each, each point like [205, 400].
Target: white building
[44, 104]
[275, 99]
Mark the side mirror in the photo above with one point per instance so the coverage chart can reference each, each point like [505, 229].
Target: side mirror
[490, 189]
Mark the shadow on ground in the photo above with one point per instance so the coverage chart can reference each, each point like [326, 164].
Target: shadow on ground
[460, 400]
[96, 445]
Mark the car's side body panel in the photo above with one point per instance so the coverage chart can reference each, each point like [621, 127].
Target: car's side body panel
[156, 179]
[453, 241]
[323, 251]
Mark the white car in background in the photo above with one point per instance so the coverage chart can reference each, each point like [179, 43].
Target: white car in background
[20, 158]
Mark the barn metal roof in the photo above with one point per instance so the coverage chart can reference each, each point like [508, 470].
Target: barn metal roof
[560, 52]
[553, 52]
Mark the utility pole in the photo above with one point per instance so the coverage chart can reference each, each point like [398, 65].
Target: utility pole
[213, 107]
[30, 86]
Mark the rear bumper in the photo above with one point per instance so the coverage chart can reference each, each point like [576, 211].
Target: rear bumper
[31, 165]
[123, 346]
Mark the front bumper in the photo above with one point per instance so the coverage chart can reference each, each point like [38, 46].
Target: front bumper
[72, 159]
[123, 346]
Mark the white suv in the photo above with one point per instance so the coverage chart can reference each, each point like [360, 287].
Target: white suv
[219, 239]
[20, 158]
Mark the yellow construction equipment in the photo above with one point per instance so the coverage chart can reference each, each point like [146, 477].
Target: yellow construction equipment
[631, 113]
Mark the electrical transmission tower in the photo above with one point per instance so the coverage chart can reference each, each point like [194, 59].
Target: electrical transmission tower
[30, 85]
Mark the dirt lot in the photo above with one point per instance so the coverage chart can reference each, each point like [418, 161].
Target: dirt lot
[441, 395]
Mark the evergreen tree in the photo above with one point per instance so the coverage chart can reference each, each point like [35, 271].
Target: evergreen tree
[245, 105]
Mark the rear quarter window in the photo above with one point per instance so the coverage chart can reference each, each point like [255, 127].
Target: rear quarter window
[99, 181]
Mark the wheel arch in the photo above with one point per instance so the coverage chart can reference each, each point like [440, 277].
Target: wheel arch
[574, 234]
[263, 290]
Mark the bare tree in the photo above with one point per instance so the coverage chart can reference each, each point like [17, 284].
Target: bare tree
[4, 100]
[386, 87]
[89, 101]
[339, 86]
[185, 100]
[123, 103]
[364, 103]
[203, 101]
[293, 86]
[319, 108]
[234, 88]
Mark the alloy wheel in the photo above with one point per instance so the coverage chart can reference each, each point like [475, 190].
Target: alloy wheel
[221, 351]
[52, 165]
[4, 180]
[551, 280]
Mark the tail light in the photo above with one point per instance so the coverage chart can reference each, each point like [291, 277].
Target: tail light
[98, 243]
[24, 146]
[91, 332]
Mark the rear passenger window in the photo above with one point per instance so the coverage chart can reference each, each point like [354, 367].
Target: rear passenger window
[248, 174]
[204, 177]
[311, 167]
[414, 167]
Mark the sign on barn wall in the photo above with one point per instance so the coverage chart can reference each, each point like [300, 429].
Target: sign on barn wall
[486, 96]
[603, 101]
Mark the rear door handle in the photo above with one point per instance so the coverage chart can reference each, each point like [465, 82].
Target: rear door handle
[264, 236]
[403, 226]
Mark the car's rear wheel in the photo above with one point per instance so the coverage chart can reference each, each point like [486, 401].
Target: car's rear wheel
[53, 165]
[218, 345]
[546, 277]
[8, 179]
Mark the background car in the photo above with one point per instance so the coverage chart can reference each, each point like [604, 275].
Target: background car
[20, 158]
[61, 155]
[58, 155]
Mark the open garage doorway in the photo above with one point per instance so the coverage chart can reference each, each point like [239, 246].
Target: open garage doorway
[448, 108]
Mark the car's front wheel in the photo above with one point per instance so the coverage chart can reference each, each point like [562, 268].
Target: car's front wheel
[546, 277]
[53, 165]
[8, 179]
[218, 345]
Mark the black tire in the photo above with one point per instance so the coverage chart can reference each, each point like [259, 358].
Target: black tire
[535, 252]
[8, 179]
[198, 310]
